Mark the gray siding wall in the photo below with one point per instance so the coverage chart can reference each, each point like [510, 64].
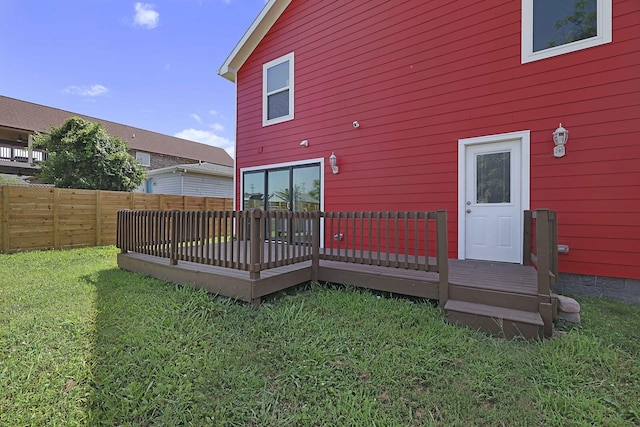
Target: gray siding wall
[208, 186]
[168, 183]
[193, 185]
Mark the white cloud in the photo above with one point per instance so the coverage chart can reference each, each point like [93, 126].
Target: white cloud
[217, 127]
[93, 90]
[146, 16]
[196, 117]
[215, 113]
[207, 137]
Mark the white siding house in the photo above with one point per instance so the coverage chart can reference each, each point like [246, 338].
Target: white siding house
[200, 179]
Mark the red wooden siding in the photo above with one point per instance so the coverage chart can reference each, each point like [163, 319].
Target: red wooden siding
[418, 76]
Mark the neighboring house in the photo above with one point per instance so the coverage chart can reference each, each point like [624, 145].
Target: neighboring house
[200, 179]
[19, 120]
[451, 105]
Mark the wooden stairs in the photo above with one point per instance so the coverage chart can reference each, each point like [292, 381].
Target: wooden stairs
[500, 299]
[510, 300]
[499, 313]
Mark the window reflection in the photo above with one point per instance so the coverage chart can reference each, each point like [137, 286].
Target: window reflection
[560, 22]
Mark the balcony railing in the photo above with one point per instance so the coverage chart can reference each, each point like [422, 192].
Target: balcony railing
[19, 154]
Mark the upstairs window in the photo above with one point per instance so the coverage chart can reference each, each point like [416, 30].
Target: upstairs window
[277, 90]
[143, 158]
[553, 27]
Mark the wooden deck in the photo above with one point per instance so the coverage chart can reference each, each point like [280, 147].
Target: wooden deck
[473, 286]
[383, 251]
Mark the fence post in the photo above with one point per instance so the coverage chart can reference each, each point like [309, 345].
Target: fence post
[254, 243]
[442, 255]
[526, 238]
[98, 222]
[56, 218]
[5, 219]
[315, 246]
[174, 244]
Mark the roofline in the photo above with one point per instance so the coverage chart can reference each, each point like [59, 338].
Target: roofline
[189, 168]
[249, 41]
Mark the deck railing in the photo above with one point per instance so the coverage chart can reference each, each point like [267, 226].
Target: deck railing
[258, 240]
[21, 154]
[220, 238]
[390, 239]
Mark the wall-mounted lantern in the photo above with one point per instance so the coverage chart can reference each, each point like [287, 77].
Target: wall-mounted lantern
[560, 138]
[333, 162]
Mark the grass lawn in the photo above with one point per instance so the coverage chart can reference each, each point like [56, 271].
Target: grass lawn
[83, 343]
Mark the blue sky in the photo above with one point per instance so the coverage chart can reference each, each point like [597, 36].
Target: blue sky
[151, 65]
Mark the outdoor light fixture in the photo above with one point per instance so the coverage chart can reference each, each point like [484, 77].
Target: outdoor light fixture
[333, 162]
[20, 139]
[304, 143]
[560, 137]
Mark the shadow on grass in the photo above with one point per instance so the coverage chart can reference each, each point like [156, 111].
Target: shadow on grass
[163, 351]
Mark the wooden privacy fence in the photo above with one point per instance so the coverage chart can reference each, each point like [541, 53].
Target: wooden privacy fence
[37, 218]
[225, 239]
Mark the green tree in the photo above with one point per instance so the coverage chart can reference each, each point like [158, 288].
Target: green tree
[83, 155]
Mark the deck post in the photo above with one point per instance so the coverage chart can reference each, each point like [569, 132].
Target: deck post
[543, 254]
[526, 238]
[315, 246]
[553, 238]
[122, 229]
[254, 243]
[442, 257]
[174, 237]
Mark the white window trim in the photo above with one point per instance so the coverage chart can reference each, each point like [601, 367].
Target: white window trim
[286, 165]
[144, 155]
[265, 67]
[604, 33]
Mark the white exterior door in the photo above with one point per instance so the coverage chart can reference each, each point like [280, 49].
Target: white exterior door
[493, 201]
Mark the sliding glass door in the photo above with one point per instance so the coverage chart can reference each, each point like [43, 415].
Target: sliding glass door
[292, 188]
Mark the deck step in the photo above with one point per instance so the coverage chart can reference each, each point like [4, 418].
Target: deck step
[491, 297]
[499, 321]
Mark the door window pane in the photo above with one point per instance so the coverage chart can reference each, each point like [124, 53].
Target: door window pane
[493, 178]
